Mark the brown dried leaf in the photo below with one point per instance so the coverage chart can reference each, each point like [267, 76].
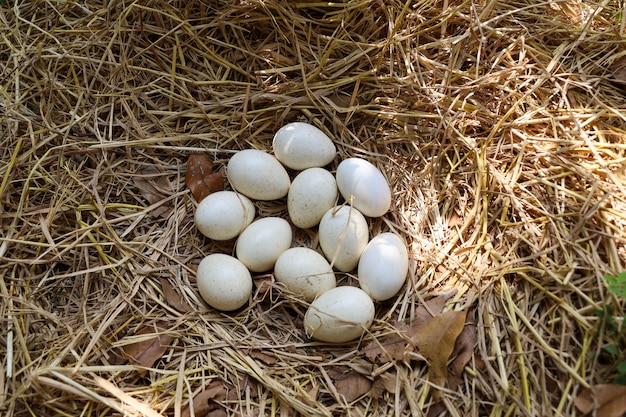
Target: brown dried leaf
[436, 409]
[173, 298]
[193, 267]
[146, 352]
[199, 178]
[395, 346]
[391, 347]
[386, 382]
[352, 385]
[217, 412]
[429, 309]
[263, 357]
[619, 70]
[206, 403]
[435, 341]
[154, 187]
[461, 355]
[605, 400]
[263, 285]
[310, 398]
[455, 220]
[585, 401]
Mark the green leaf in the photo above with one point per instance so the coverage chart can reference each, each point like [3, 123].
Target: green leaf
[612, 349]
[617, 284]
[621, 368]
[620, 379]
[611, 324]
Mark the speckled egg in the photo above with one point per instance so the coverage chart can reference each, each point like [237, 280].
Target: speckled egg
[312, 193]
[223, 215]
[262, 242]
[383, 266]
[304, 272]
[343, 235]
[300, 146]
[224, 282]
[360, 181]
[258, 175]
[339, 315]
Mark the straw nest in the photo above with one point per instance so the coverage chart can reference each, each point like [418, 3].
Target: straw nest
[500, 126]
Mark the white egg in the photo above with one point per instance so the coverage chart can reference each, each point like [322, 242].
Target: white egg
[359, 179]
[262, 242]
[304, 272]
[312, 193]
[301, 145]
[224, 282]
[383, 266]
[343, 234]
[223, 215]
[339, 315]
[258, 175]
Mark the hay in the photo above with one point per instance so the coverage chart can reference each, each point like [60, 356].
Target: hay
[499, 124]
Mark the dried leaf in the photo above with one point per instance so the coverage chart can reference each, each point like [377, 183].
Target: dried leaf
[147, 351]
[207, 402]
[455, 220]
[435, 340]
[391, 347]
[352, 385]
[429, 309]
[173, 298]
[199, 177]
[263, 357]
[263, 285]
[605, 400]
[154, 187]
[585, 401]
[619, 70]
[244, 383]
[310, 398]
[395, 346]
[461, 355]
[386, 382]
[436, 409]
[217, 412]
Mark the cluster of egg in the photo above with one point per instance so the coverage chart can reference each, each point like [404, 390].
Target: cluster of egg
[336, 314]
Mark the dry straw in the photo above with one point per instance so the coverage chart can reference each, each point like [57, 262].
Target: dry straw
[500, 126]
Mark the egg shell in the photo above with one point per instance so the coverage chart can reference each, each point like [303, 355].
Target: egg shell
[258, 175]
[304, 272]
[367, 185]
[262, 242]
[312, 193]
[223, 215]
[300, 146]
[383, 266]
[343, 235]
[339, 315]
[224, 282]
